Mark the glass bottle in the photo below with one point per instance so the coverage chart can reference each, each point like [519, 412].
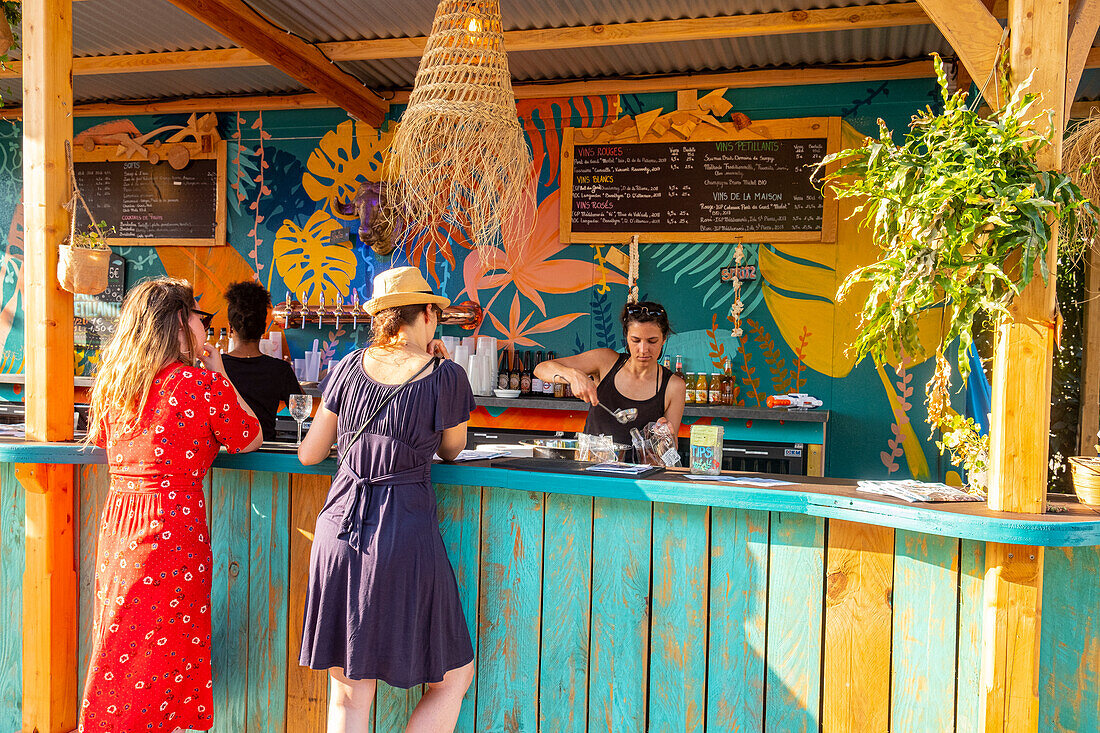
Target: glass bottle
[536, 383]
[689, 397]
[548, 386]
[223, 341]
[525, 372]
[679, 367]
[503, 373]
[714, 390]
[727, 383]
[701, 389]
[514, 372]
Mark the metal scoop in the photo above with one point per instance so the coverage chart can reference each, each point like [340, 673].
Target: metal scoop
[624, 415]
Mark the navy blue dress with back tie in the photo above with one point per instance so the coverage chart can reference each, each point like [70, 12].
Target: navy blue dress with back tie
[382, 600]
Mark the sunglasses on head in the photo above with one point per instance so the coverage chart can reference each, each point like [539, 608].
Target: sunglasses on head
[634, 309]
[207, 318]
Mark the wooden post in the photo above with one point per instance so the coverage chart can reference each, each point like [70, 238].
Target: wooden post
[47, 125]
[50, 697]
[1090, 359]
[1019, 444]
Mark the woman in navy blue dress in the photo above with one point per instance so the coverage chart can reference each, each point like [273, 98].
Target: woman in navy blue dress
[382, 601]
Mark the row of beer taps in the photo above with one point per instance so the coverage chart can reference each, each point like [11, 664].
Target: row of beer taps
[467, 314]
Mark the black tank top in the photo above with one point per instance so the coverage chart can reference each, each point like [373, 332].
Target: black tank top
[599, 422]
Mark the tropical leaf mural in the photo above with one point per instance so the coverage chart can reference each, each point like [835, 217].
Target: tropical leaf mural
[351, 153]
[210, 270]
[311, 266]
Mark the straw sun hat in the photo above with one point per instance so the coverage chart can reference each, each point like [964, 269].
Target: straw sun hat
[402, 286]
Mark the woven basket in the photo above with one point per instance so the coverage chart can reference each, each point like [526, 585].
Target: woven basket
[1086, 479]
[82, 270]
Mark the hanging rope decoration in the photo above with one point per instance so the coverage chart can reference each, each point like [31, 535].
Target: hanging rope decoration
[632, 272]
[737, 307]
[459, 156]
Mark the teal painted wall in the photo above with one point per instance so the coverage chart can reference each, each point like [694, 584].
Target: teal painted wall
[285, 167]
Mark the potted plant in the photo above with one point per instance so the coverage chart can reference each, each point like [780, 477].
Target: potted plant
[963, 216]
[1086, 477]
[82, 264]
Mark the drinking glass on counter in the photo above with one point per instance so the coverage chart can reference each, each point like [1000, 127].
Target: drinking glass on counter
[301, 405]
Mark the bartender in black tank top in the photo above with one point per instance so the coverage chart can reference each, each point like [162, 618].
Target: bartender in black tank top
[634, 379]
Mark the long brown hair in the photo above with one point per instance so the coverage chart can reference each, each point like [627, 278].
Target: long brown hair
[386, 324]
[145, 341]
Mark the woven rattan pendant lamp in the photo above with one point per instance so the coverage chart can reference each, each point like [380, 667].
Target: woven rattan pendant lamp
[459, 155]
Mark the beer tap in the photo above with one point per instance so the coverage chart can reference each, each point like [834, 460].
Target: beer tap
[320, 307]
[336, 311]
[305, 312]
[355, 309]
[286, 313]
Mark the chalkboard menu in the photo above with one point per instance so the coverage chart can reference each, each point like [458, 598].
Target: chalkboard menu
[154, 204]
[95, 316]
[697, 190]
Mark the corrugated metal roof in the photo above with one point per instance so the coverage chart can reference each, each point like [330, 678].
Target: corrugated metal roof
[342, 20]
[103, 27]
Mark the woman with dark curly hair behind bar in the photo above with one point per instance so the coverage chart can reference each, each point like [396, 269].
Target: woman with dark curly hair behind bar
[262, 380]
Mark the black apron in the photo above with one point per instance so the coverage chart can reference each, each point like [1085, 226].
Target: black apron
[599, 422]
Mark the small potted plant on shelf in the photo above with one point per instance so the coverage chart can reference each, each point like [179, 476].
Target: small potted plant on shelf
[82, 264]
[1086, 477]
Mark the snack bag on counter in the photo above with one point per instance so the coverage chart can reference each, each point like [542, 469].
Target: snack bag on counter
[657, 447]
[706, 449]
[597, 448]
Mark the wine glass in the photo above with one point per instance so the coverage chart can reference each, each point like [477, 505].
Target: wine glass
[301, 405]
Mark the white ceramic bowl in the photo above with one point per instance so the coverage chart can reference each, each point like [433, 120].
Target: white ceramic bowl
[506, 393]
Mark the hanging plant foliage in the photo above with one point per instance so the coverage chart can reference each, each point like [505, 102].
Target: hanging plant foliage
[963, 215]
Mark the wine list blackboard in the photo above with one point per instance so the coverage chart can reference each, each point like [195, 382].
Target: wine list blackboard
[710, 186]
[153, 204]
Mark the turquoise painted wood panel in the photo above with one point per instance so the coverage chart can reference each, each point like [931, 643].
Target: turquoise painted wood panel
[926, 569]
[12, 518]
[393, 707]
[795, 590]
[268, 580]
[678, 637]
[509, 612]
[93, 482]
[738, 620]
[460, 525]
[621, 545]
[1069, 646]
[968, 667]
[229, 537]
[567, 596]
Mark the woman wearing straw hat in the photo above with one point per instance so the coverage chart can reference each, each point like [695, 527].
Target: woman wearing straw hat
[382, 601]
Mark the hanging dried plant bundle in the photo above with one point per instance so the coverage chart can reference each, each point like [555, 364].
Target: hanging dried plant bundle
[459, 156]
[1080, 149]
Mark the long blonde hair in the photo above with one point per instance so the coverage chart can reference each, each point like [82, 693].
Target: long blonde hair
[145, 341]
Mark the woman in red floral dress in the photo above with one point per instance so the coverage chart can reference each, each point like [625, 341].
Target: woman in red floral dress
[161, 420]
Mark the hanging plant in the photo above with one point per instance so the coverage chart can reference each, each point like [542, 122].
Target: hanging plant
[963, 215]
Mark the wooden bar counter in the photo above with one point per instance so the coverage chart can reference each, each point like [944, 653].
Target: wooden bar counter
[619, 604]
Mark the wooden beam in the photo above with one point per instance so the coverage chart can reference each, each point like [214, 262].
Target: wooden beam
[50, 601]
[660, 31]
[48, 310]
[971, 30]
[237, 21]
[733, 80]
[1090, 360]
[1083, 24]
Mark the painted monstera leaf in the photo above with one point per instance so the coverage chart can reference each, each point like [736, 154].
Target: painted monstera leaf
[345, 157]
[310, 265]
[800, 286]
[210, 270]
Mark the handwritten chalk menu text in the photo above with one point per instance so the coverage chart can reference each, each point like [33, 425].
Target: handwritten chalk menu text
[712, 186]
[140, 200]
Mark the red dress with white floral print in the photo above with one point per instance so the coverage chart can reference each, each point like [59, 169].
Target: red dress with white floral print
[150, 663]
